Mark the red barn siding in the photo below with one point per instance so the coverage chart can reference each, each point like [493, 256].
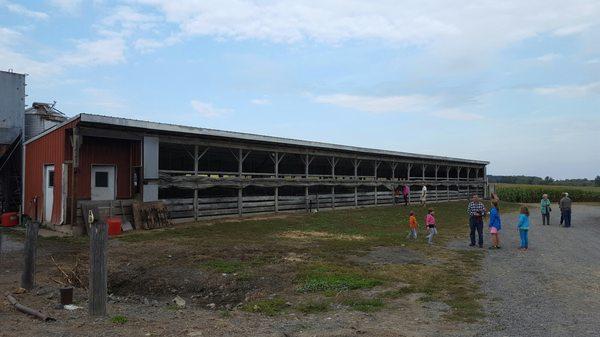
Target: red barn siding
[47, 150]
[105, 151]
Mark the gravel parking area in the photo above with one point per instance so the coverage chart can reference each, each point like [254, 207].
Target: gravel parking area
[551, 290]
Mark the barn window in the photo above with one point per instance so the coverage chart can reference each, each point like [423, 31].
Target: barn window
[101, 179]
[50, 178]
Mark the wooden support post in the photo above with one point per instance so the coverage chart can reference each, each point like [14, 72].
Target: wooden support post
[98, 270]
[355, 164]
[333, 161]
[393, 165]
[276, 160]
[375, 167]
[423, 167]
[458, 173]
[76, 141]
[468, 173]
[195, 189]
[409, 167]
[306, 160]
[240, 157]
[437, 168]
[30, 252]
[448, 185]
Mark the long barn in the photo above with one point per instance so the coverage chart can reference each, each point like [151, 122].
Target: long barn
[197, 172]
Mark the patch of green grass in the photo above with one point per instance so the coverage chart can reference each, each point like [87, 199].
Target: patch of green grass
[311, 307]
[366, 305]
[119, 319]
[269, 307]
[328, 278]
[224, 266]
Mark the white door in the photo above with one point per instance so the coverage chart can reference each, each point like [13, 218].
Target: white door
[48, 191]
[103, 182]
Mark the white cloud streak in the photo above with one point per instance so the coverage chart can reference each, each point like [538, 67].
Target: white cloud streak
[96, 52]
[463, 26]
[457, 115]
[377, 104]
[67, 6]
[207, 109]
[570, 91]
[22, 10]
[260, 101]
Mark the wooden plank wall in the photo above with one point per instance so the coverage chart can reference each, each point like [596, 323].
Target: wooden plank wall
[208, 207]
[184, 208]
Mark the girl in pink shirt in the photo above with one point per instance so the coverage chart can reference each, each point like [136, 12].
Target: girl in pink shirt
[430, 223]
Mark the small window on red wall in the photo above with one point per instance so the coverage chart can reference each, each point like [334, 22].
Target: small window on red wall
[101, 179]
[50, 178]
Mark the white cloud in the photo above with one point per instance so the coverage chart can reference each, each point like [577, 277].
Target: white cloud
[570, 30]
[260, 101]
[377, 104]
[457, 114]
[130, 20]
[546, 58]
[462, 27]
[207, 109]
[67, 6]
[97, 52]
[22, 10]
[570, 91]
[422, 104]
[11, 58]
[146, 45]
[103, 100]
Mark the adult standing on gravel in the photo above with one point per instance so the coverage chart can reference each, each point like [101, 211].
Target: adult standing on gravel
[476, 211]
[565, 209]
[545, 209]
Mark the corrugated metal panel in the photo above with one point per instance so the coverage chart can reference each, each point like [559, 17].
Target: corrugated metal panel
[12, 105]
[34, 125]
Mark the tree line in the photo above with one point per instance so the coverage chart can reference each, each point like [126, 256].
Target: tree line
[533, 180]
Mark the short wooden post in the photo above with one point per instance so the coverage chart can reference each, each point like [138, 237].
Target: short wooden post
[28, 276]
[98, 277]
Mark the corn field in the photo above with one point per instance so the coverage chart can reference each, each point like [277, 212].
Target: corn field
[533, 193]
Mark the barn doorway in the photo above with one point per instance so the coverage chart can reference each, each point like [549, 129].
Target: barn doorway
[48, 192]
[103, 182]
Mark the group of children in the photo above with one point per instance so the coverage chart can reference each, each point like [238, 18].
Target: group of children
[429, 224]
[495, 225]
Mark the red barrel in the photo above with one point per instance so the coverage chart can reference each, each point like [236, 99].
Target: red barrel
[10, 219]
[114, 226]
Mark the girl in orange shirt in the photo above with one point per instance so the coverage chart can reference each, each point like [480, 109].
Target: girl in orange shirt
[412, 222]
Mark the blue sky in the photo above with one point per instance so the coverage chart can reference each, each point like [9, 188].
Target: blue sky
[516, 83]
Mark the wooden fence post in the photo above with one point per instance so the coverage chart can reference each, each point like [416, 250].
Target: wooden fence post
[98, 272]
[28, 276]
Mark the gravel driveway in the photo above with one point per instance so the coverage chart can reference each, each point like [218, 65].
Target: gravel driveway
[551, 290]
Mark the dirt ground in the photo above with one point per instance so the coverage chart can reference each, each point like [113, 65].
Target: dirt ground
[147, 271]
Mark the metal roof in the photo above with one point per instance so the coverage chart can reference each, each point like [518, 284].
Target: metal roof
[182, 129]
[171, 128]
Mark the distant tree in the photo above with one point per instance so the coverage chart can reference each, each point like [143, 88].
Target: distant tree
[548, 180]
[597, 181]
